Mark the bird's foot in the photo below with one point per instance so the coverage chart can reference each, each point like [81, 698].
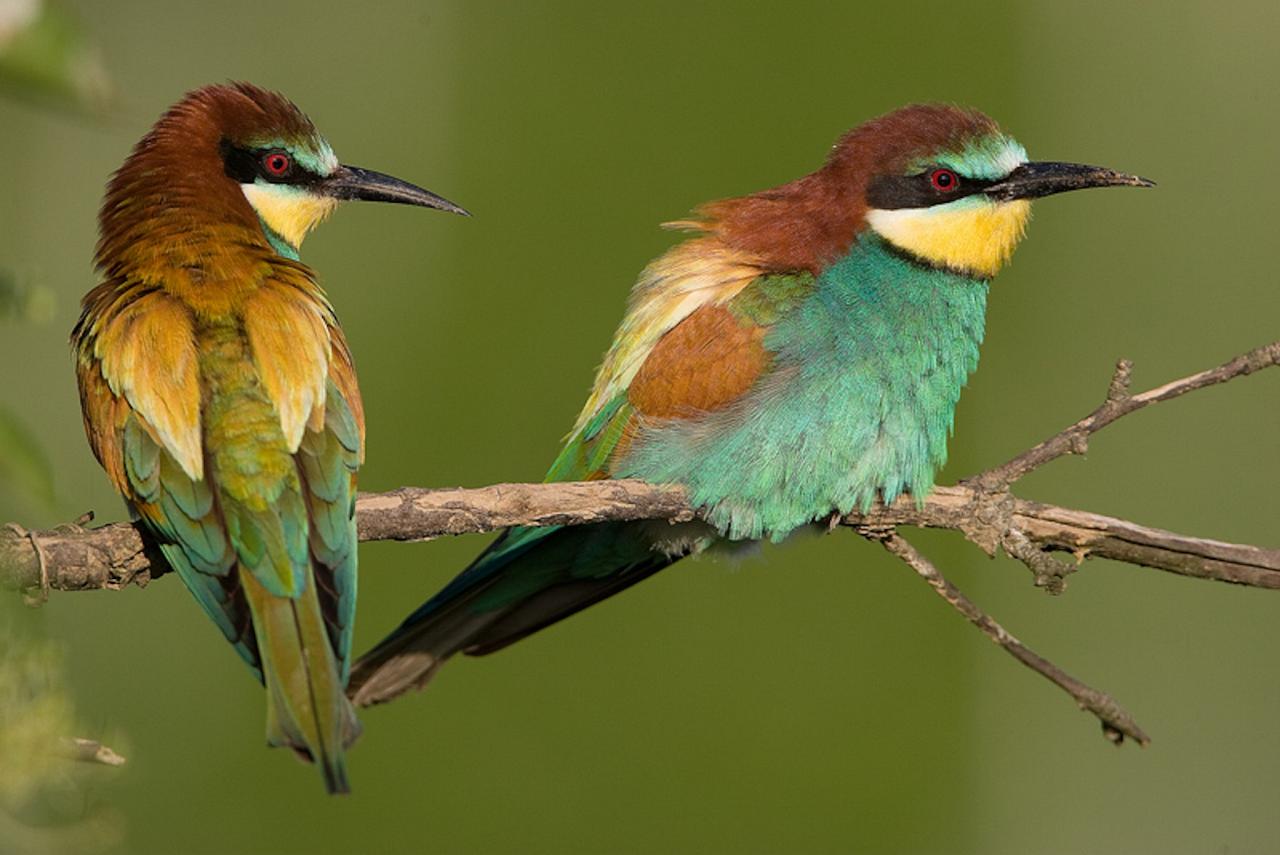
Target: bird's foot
[76, 526]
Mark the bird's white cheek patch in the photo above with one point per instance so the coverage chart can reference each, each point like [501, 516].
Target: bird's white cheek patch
[288, 212]
[978, 237]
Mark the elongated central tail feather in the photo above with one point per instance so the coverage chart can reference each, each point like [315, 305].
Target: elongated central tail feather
[307, 709]
[526, 581]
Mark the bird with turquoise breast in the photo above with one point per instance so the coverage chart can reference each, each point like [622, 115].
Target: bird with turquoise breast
[802, 356]
[219, 394]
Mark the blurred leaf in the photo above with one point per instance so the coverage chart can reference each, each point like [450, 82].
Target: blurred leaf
[46, 57]
[35, 714]
[24, 468]
[23, 301]
[43, 805]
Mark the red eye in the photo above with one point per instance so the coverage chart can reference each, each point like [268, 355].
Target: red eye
[944, 180]
[275, 163]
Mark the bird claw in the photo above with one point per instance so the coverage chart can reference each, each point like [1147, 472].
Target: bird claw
[76, 526]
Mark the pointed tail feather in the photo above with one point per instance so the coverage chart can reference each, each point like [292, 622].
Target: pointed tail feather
[307, 709]
[526, 581]
[411, 656]
[555, 604]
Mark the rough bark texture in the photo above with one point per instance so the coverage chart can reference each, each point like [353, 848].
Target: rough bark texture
[115, 556]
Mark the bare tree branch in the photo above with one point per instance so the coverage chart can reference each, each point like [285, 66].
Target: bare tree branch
[1116, 722]
[116, 555]
[1118, 403]
[72, 558]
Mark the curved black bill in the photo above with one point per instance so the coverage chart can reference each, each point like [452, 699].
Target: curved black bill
[1033, 180]
[352, 182]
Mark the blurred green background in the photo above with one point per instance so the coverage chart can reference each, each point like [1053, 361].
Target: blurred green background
[817, 698]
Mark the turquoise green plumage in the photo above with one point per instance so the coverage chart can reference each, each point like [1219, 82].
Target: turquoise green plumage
[803, 357]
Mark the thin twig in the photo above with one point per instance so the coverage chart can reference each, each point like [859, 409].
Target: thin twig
[90, 751]
[1116, 721]
[1075, 439]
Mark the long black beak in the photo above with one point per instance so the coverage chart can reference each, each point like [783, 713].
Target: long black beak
[352, 182]
[1033, 180]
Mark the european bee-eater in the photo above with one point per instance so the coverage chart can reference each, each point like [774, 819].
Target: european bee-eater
[802, 356]
[219, 394]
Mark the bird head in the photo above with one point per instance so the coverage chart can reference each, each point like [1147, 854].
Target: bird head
[940, 183]
[947, 186]
[240, 155]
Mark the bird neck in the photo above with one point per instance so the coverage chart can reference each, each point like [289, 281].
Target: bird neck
[879, 295]
[278, 242]
[806, 224]
[199, 240]
[973, 235]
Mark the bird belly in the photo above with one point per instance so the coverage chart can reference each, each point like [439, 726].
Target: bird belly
[814, 452]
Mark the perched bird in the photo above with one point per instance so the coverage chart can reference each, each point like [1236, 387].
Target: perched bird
[219, 394]
[802, 356]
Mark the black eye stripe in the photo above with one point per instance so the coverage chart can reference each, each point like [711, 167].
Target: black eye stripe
[890, 192]
[241, 165]
[246, 165]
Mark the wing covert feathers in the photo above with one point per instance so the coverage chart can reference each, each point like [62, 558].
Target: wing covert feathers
[696, 273]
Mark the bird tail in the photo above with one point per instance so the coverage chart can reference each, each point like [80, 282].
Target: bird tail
[525, 581]
[307, 709]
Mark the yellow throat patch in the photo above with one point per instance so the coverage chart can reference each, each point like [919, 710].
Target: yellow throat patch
[288, 212]
[976, 237]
